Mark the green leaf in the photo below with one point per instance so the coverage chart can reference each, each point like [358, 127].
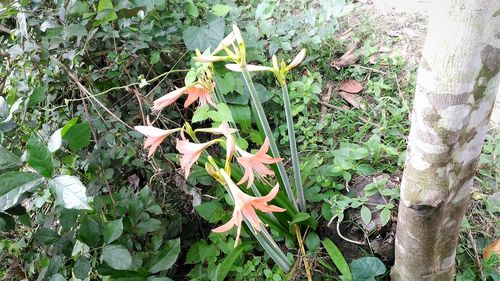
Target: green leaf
[337, 258]
[78, 136]
[117, 257]
[312, 241]
[265, 9]
[264, 94]
[13, 185]
[68, 126]
[225, 267]
[81, 268]
[7, 223]
[68, 218]
[366, 214]
[37, 96]
[201, 114]
[75, 29]
[151, 225]
[106, 12]
[112, 230]
[366, 268]
[223, 113]
[226, 84]
[191, 8]
[70, 192]
[241, 114]
[221, 10]
[204, 37]
[89, 232]
[39, 157]
[46, 236]
[300, 217]
[166, 257]
[385, 216]
[211, 211]
[365, 170]
[155, 57]
[8, 159]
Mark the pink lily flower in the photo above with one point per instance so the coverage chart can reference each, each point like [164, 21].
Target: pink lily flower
[190, 153]
[225, 130]
[245, 206]
[194, 92]
[154, 137]
[256, 163]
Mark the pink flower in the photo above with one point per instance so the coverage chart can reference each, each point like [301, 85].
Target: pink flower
[245, 206]
[154, 137]
[200, 93]
[225, 130]
[194, 92]
[190, 153]
[256, 163]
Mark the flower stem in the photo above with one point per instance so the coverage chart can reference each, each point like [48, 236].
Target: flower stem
[293, 148]
[268, 132]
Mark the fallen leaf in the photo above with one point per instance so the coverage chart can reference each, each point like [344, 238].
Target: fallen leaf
[325, 98]
[353, 99]
[350, 86]
[492, 248]
[348, 58]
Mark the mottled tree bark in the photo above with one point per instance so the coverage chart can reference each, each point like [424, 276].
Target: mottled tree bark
[457, 82]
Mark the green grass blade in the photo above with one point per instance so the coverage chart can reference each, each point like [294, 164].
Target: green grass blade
[337, 258]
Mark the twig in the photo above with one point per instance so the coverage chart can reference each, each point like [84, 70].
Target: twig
[347, 239]
[304, 256]
[331, 106]
[476, 255]
[90, 95]
[325, 99]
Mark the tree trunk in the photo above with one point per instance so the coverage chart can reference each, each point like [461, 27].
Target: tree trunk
[457, 84]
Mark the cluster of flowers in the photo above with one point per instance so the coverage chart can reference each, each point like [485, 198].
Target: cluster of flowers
[253, 164]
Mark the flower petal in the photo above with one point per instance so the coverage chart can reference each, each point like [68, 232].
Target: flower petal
[297, 60]
[167, 99]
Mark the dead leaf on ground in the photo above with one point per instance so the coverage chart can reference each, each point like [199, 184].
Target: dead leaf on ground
[353, 99]
[350, 86]
[492, 248]
[348, 58]
[325, 98]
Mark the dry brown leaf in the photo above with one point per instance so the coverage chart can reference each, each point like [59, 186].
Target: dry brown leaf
[492, 248]
[348, 58]
[353, 99]
[350, 86]
[325, 98]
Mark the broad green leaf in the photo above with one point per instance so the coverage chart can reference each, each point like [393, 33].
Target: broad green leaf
[75, 29]
[221, 10]
[225, 267]
[166, 257]
[57, 277]
[68, 218]
[70, 192]
[7, 223]
[39, 157]
[204, 37]
[8, 159]
[14, 184]
[46, 236]
[265, 9]
[78, 136]
[201, 114]
[264, 94]
[191, 8]
[367, 268]
[366, 214]
[37, 96]
[106, 12]
[241, 114]
[81, 268]
[312, 241]
[337, 258]
[89, 232]
[211, 211]
[68, 126]
[155, 57]
[300, 217]
[385, 216]
[55, 141]
[150, 225]
[226, 84]
[117, 257]
[112, 230]
[223, 113]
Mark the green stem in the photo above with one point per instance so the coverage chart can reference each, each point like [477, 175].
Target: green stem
[293, 148]
[269, 133]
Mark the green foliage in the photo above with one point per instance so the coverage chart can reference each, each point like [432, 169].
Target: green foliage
[367, 268]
